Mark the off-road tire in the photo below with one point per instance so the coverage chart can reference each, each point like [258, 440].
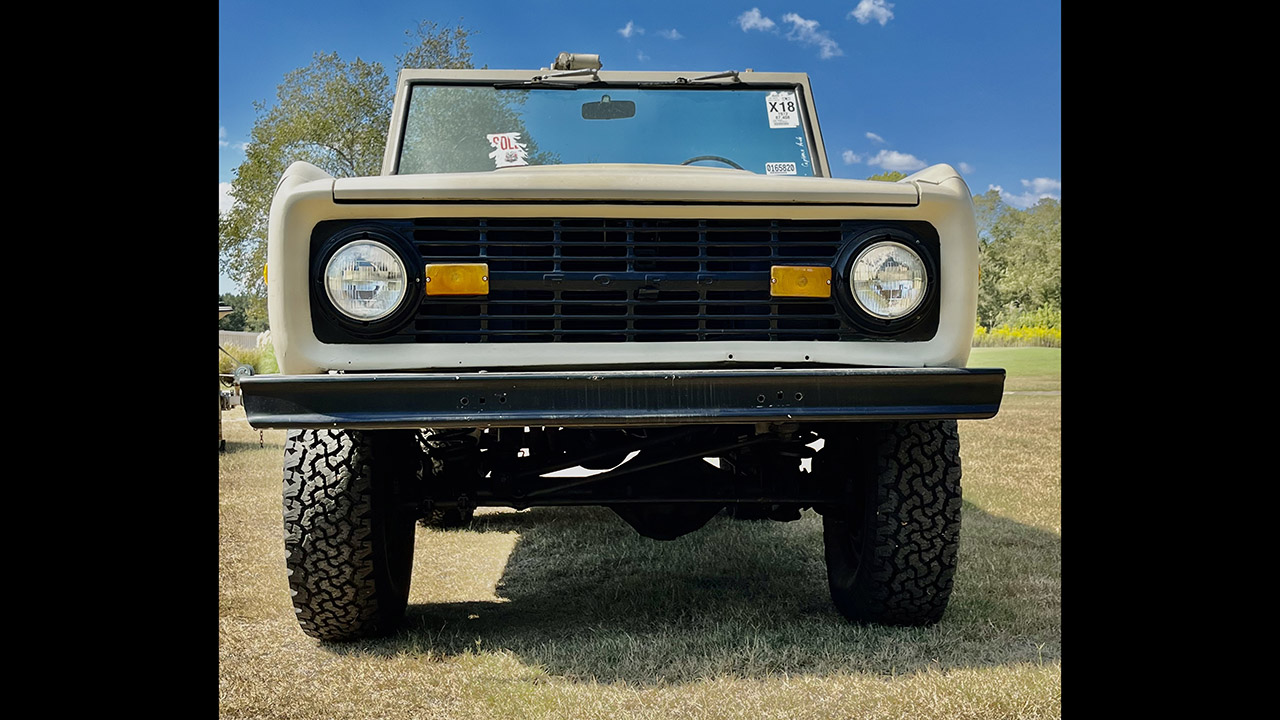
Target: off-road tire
[891, 547]
[349, 548]
[447, 451]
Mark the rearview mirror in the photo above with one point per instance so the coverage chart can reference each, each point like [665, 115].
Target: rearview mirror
[608, 109]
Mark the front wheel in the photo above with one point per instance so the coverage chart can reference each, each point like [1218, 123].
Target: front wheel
[348, 543]
[891, 547]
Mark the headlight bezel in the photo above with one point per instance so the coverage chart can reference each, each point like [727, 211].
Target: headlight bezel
[323, 306]
[924, 246]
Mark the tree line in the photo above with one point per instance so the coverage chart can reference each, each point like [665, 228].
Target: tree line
[1020, 259]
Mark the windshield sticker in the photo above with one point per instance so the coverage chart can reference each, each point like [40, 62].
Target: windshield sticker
[780, 168]
[507, 150]
[784, 112]
[804, 161]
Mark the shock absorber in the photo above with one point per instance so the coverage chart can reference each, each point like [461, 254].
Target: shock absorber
[452, 455]
[450, 466]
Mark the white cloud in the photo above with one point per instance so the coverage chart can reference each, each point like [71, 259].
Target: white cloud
[672, 34]
[641, 56]
[894, 160]
[223, 142]
[806, 32]
[850, 157]
[225, 198]
[752, 20]
[1045, 187]
[966, 168]
[1039, 188]
[869, 10]
[875, 138]
[630, 30]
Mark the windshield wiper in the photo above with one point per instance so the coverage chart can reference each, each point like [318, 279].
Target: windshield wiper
[543, 80]
[537, 84]
[713, 76]
[549, 81]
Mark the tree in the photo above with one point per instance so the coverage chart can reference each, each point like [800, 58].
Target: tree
[331, 113]
[987, 209]
[235, 319]
[431, 46]
[1020, 253]
[239, 319]
[888, 176]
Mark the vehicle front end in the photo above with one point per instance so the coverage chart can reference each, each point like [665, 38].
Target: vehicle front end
[547, 277]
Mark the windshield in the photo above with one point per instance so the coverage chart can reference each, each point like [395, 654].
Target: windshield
[454, 128]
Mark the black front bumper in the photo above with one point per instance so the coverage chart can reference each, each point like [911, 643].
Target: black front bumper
[619, 398]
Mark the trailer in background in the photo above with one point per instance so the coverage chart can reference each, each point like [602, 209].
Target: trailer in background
[229, 397]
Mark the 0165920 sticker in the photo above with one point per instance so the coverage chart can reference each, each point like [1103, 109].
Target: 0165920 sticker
[507, 149]
[784, 111]
[779, 168]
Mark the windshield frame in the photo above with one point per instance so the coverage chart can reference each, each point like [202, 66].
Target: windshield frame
[795, 82]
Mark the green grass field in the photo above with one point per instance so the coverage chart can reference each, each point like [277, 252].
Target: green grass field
[568, 613]
[1027, 368]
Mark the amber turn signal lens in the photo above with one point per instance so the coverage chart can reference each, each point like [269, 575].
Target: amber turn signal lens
[786, 281]
[458, 279]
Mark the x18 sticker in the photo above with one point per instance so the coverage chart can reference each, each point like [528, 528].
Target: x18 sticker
[784, 111]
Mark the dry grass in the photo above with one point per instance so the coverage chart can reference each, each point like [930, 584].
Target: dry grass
[568, 613]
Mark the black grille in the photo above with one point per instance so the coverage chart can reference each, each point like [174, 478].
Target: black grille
[623, 280]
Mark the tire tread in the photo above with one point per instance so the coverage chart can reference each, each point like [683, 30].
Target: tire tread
[908, 562]
[330, 551]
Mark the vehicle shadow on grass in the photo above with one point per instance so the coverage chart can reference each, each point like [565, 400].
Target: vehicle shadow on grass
[236, 446]
[587, 598]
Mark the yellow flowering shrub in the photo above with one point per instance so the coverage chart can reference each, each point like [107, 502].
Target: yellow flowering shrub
[1021, 336]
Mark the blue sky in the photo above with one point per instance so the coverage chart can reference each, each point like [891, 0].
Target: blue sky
[898, 85]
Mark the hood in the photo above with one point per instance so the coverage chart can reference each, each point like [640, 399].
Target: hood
[619, 182]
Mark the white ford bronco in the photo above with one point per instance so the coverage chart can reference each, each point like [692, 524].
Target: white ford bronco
[650, 277]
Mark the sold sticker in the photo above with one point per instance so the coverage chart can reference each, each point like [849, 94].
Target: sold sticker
[780, 168]
[784, 111]
[507, 150]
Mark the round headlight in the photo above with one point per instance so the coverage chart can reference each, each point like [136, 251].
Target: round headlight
[888, 280]
[365, 280]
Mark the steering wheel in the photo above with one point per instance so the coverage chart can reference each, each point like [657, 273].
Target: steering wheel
[717, 158]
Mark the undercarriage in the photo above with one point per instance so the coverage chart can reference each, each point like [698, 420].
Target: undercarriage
[665, 482]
